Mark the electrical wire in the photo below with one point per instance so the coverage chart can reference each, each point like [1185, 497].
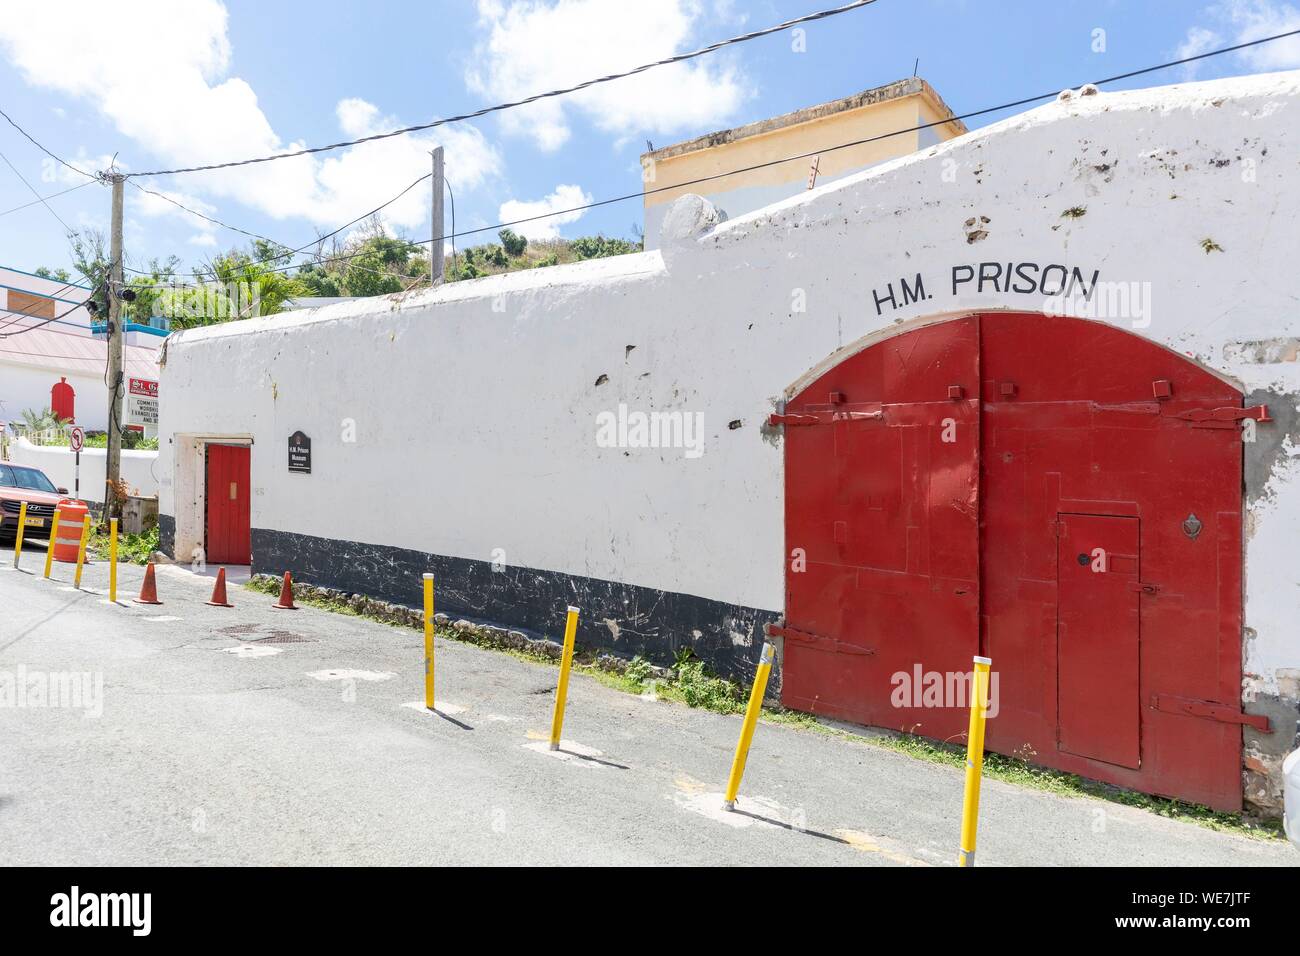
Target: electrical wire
[19, 314]
[290, 252]
[41, 324]
[676, 58]
[40, 199]
[58, 159]
[452, 196]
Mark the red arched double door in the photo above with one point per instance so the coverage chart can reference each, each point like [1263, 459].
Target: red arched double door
[1057, 494]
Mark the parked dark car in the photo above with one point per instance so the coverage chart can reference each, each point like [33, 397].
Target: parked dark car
[18, 483]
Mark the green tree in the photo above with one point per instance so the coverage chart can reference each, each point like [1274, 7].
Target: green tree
[90, 259]
[235, 285]
[57, 275]
[318, 280]
[375, 265]
[513, 243]
[598, 247]
[150, 290]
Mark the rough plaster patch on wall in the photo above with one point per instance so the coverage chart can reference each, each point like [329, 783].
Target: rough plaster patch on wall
[1263, 351]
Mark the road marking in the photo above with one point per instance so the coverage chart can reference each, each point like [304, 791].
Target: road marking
[162, 619]
[449, 710]
[253, 650]
[711, 804]
[569, 752]
[866, 843]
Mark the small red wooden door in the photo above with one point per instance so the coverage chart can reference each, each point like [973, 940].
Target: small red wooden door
[1098, 711]
[229, 538]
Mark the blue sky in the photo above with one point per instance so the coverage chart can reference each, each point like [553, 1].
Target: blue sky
[162, 84]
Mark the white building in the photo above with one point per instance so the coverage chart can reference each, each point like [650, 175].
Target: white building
[883, 417]
[48, 340]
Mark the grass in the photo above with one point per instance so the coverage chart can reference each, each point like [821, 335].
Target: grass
[694, 686]
[131, 548]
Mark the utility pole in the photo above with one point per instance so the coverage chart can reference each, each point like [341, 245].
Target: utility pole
[112, 506]
[435, 247]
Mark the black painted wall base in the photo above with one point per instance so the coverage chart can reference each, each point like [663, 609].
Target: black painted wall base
[622, 618]
[167, 535]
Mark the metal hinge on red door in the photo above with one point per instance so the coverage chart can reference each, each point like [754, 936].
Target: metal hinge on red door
[1225, 416]
[815, 642]
[1225, 713]
[824, 418]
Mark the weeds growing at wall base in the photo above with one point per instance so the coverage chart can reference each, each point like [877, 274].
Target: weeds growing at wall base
[131, 548]
[689, 682]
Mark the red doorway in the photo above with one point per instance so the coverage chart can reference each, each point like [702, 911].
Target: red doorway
[945, 485]
[229, 535]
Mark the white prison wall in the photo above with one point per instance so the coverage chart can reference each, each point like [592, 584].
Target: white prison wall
[461, 423]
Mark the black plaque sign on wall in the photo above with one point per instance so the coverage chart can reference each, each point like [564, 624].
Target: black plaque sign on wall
[300, 453]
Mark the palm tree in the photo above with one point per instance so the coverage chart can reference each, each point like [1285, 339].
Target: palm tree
[37, 423]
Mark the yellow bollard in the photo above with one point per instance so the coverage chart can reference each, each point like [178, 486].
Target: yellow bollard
[81, 550]
[562, 690]
[428, 641]
[112, 560]
[18, 540]
[747, 727]
[970, 809]
[49, 545]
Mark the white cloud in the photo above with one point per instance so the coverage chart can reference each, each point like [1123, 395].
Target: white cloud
[1241, 21]
[534, 46]
[565, 196]
[160, 76]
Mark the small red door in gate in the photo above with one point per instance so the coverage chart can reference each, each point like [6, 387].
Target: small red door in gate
[1097, 637]
[228, 532]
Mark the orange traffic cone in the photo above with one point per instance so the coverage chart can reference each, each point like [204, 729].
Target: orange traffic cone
[148, 590]
[286, 595]
[219, 590]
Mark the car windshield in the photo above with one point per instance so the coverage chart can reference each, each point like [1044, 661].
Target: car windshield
[29, 479]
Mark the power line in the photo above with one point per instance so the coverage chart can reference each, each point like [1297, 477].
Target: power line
[677, 58]
[52, 156]
[52, 296]
[289, 252]
[40, 199]
[41, 324]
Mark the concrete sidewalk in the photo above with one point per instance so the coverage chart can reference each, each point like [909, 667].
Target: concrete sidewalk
[257, 736]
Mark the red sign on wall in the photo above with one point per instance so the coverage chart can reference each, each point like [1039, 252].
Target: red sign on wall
[142, 386]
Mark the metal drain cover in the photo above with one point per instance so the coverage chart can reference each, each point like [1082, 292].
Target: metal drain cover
[236, 629]
[283, 637]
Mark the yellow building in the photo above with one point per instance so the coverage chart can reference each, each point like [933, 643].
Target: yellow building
[810, 132]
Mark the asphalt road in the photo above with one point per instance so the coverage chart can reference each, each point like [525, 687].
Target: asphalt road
[213, 745]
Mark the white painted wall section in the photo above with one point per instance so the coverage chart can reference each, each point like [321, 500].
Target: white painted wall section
[474, 407]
